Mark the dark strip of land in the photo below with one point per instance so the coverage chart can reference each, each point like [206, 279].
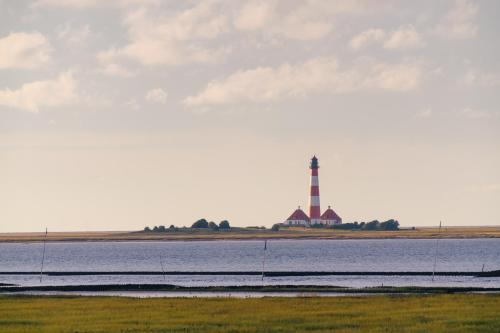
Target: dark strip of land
[267, 273]
[263, 289]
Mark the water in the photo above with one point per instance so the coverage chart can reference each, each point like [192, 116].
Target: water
[281, 255]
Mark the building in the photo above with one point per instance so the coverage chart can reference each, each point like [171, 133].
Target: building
[314, 207]
[299, 217]
[329, 217]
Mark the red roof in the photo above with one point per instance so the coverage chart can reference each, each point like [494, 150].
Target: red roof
[298, 215]
[329, 214]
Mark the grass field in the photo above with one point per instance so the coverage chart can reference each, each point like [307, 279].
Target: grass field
[241, 233]
[437, 313]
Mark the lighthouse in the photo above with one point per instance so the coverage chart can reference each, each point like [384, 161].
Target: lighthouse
[299, 218]
[314, 208]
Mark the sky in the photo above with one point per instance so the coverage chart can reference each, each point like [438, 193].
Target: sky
[119, 114]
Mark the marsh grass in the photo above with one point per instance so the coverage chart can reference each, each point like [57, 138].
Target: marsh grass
[436, 313]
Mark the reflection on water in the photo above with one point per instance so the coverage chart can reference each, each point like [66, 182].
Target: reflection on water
[298, 255]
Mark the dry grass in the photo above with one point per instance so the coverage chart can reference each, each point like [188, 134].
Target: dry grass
[295, 233]
[439, 313]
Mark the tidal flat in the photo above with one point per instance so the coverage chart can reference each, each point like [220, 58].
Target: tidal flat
[402, 313]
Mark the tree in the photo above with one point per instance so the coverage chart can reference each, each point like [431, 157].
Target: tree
[200, 224]
[224, 224]
[276, 227]
[389, 225]
[161, 228]
[212, 225]
[172, 227]
[373, 225]
[147, 229]
[155, 229]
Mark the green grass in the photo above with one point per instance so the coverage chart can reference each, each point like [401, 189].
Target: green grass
[436, 313]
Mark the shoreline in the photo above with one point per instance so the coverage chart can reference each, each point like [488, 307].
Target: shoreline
[253, 235]
[492, 273]
[6, 290]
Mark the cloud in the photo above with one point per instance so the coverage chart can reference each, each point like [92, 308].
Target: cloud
[477, 78]
[24, 50]
[459, 23]
[170, 40]
[73, 35]
[308, 20]
[405, 37]
[157, 95]
[254, 15]
[132, 104]
[367, 37]
[425, 113]
[493, 187]
[319, 75]
[472, 113]
[114, 69]
[35, 95]
[80, 4]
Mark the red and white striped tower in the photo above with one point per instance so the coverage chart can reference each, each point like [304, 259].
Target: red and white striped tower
[314, 209]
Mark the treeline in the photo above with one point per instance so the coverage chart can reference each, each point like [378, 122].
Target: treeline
[200, 224]
[373, 225]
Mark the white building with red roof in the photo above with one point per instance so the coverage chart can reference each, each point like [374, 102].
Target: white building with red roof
[298, 218]
[329, 217]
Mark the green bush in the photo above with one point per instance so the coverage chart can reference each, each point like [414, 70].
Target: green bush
[224, 224]
[200, 224]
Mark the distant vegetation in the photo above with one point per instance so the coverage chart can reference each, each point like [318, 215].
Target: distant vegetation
[367, 226]
[200, 224]
[203, 224]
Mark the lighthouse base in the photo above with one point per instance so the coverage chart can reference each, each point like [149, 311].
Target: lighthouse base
[316, 221]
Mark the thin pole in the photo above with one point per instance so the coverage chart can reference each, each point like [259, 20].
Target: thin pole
[43, 255]
[436, 254]
[264, 259]
[162, 269]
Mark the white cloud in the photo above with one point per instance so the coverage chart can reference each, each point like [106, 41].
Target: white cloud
[132, 104]
[472, 113]
[405, 37]
[394, 77]
[73, 35]
[490, 188]
[254, 15]
[459, 22]
[114, 69]
[475, 77]
[80, 4]
[308, 20]
[367, 37]
[156, 95]
[35, 95]
[319, 75]
[160, 39]
[425, 113]
[24, 50]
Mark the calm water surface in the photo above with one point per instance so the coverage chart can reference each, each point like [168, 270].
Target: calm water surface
[281, 255]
